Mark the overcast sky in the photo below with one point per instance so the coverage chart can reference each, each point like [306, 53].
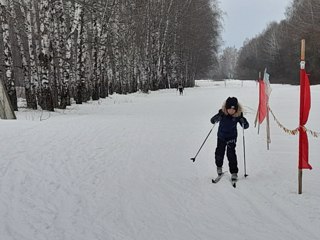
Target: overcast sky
[246, 18]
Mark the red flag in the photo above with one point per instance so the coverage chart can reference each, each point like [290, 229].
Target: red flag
[303, 150]
[305, 98]
[262, 101]
[305, 105]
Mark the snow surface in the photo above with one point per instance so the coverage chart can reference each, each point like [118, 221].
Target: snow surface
[120, 169]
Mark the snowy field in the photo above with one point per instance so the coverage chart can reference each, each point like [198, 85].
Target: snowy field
[120, 169]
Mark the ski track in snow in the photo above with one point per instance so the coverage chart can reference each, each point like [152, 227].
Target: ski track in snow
[120, 169]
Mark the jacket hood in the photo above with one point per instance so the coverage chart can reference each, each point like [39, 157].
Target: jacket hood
[236, 114]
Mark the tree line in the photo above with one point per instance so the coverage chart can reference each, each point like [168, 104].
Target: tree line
[58, 50]
[277, 48]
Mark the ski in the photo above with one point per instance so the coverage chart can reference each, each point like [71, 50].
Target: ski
[217, 179]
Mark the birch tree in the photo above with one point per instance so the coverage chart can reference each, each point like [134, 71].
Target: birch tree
[8, 62]
[45, 57]
[33, 80]
[89, 49]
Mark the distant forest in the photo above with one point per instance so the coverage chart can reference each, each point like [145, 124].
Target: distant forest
[277, 48]
[58, 50]
[55, 52]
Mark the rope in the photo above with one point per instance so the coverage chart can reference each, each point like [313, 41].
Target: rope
[296, 130]
[313, 133]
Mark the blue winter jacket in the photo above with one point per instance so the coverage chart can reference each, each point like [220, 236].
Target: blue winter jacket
[228, 124]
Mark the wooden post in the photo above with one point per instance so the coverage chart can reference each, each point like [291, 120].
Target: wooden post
[300, 181]
[267, 119]
[303, 50]
[302, 66]
[257, 115]
[268, 128]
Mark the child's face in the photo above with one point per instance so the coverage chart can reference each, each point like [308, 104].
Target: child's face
[231, 111]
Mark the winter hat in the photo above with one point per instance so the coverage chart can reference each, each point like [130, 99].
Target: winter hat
[232, 102]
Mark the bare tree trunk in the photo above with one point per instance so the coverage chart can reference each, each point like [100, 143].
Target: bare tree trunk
[45, 58]
[81, 58]
[95, 56]
[2, 66]
[8, 62]
[30, 87]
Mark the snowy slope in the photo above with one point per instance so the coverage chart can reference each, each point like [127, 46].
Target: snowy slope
[120, 169]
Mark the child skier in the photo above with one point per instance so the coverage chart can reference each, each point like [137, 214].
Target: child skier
[228, 117]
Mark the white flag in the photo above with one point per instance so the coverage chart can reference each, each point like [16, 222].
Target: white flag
[267, 82]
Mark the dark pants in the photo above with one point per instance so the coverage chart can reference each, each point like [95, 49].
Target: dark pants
[231, 154]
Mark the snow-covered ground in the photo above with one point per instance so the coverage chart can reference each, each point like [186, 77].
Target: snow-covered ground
[120, 169]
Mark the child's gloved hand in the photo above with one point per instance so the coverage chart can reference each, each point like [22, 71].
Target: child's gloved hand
[243, 122]
[216, 118]
[241, 119]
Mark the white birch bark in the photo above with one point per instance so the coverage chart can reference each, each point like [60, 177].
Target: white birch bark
[30, 98]
[45, 42]
[81, 58]
[163, 41]
[29, 23]
[95, 57]
[64, 59]
[8, 62]
[73, 20]
[115, 48]
[45, 58]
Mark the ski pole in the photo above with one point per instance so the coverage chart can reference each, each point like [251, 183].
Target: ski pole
[194, 158]
[244, 153]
